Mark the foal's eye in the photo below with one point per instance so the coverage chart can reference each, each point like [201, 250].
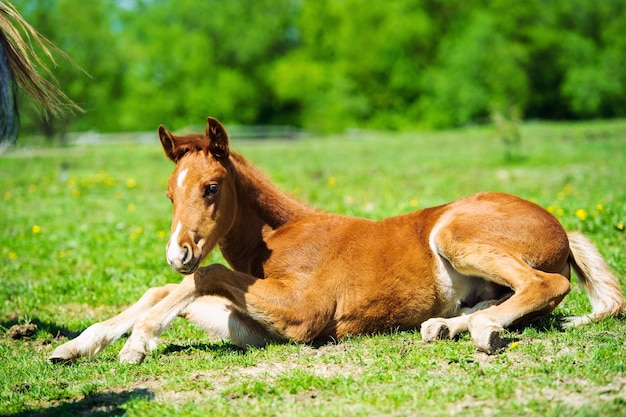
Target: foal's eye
[211, 189]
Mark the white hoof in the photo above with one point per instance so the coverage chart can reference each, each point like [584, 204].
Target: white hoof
[435, 329]
[489, 341]
[63, 354]
[131, 357]
[137, 347]
[486, 333]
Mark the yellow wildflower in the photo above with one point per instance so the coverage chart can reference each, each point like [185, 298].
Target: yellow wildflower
[331, 181]
[131, 183]
[7, 195]
[12, 255]
[581, 214]
[567, 189]
[36, 229]
[413, 202]
[132, 207]
[555, 210]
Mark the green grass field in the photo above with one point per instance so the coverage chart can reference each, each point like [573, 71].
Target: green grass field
[82, 236]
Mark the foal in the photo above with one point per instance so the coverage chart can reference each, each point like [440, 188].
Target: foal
[481, 263]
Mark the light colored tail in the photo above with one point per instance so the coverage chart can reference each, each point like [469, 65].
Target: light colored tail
[601, 286]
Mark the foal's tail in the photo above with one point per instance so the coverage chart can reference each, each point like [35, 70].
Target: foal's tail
[601, 286]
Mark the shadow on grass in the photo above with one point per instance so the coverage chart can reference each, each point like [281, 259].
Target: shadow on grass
[217, 348]
[546, 324]
[104, 404]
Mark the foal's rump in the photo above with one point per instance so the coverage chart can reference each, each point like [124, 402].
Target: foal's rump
[517, 244]
[486, 228]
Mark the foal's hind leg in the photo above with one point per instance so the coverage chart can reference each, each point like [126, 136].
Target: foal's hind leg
[99, 335]
[534, 291]
[537, 297]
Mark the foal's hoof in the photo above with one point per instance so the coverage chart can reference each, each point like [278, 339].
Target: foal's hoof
[62, 355]
[435, 329]
[486, 332]
[131, 357]
[489, 341]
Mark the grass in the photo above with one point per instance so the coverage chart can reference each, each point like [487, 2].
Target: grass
[83, 230]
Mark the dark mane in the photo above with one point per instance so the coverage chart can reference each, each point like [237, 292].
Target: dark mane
[274, 206]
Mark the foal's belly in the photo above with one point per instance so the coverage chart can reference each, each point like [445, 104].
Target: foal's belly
[379, 275]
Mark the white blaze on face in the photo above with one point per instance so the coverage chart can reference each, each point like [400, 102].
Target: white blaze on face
[174, 251]
[181, 177]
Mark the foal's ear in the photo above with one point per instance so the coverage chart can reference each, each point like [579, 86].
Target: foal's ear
[218, 139]
[168, 142]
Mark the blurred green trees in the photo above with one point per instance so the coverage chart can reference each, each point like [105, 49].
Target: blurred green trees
[328, 65]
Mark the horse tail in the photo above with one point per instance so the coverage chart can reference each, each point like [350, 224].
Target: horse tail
[597, 280]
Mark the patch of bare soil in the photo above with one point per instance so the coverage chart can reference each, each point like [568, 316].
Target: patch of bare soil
[576, 399]
[586, 394]
[572, 392]
[22, 331]
[308, 359]
[299, 360]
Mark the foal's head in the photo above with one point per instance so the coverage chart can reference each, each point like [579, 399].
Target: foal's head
[203, 192]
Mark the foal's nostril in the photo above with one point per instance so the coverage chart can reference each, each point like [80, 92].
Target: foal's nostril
[187, 253]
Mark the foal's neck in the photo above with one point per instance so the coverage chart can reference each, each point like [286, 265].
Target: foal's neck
[261, 209]
[273, 206]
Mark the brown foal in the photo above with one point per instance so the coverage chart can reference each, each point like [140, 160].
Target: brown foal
[481, 264]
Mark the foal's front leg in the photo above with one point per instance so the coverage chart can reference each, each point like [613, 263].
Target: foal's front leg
[149, 325]
[100, 335]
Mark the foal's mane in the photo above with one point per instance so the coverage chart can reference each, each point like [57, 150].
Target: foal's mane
[274, 206]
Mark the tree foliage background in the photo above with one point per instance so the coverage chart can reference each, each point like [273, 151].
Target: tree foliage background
[327, 65]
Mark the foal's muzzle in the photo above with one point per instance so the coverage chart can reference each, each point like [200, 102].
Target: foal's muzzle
[183, 259]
